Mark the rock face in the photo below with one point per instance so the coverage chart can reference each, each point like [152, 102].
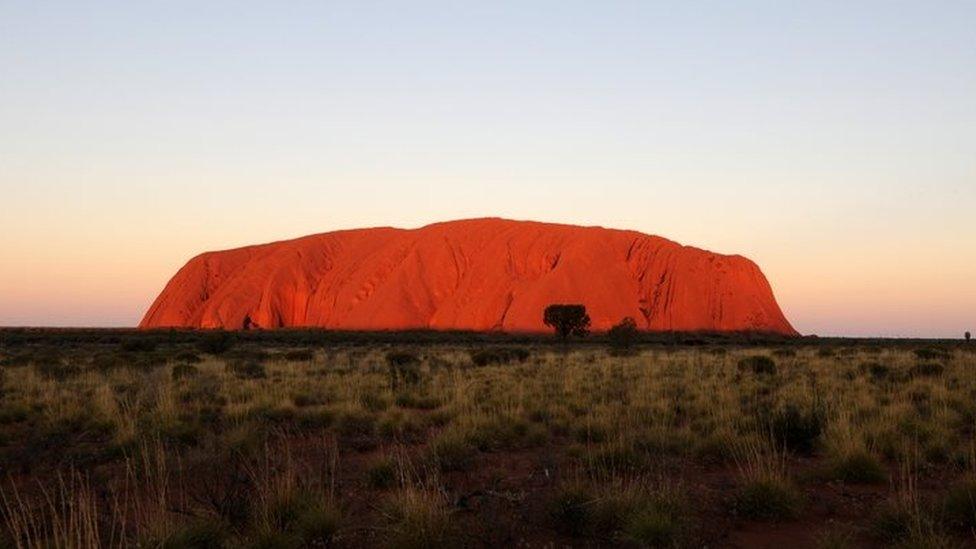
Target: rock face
[479, 274]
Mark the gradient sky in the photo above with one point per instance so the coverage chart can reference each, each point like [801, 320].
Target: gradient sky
[834, 143]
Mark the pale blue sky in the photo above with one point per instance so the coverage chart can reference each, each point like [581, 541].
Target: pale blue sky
[834, 142]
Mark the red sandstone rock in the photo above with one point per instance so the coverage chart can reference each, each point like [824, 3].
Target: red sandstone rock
[479, 274]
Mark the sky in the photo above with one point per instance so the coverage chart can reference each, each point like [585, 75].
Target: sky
[834, 143]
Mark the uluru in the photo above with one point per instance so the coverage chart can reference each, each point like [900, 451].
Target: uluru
[479, 274]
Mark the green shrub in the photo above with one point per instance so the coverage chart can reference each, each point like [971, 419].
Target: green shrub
[758, 364]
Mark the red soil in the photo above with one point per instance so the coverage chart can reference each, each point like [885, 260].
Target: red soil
[479, 274]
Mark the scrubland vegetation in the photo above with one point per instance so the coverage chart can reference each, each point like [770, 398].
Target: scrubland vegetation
[208, 441]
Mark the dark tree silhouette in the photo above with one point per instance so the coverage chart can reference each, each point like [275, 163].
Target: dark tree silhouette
[968, 336]
[623, 334]
[567, 320]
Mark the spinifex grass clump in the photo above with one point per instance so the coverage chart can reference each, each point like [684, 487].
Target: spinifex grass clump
[404, 368]
[633, 512]
[797, 427]
[859, 467]
[765, 491]
[419, 517]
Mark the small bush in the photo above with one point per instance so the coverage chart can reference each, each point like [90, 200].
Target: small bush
[499, 355]
[767, 500]
[623, 335]
[451, 451]
[860, 468]
[758, 364]
[654, 526]
[248, 369]
[798, 429]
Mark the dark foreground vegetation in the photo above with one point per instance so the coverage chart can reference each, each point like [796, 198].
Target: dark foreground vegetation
[314, 439]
